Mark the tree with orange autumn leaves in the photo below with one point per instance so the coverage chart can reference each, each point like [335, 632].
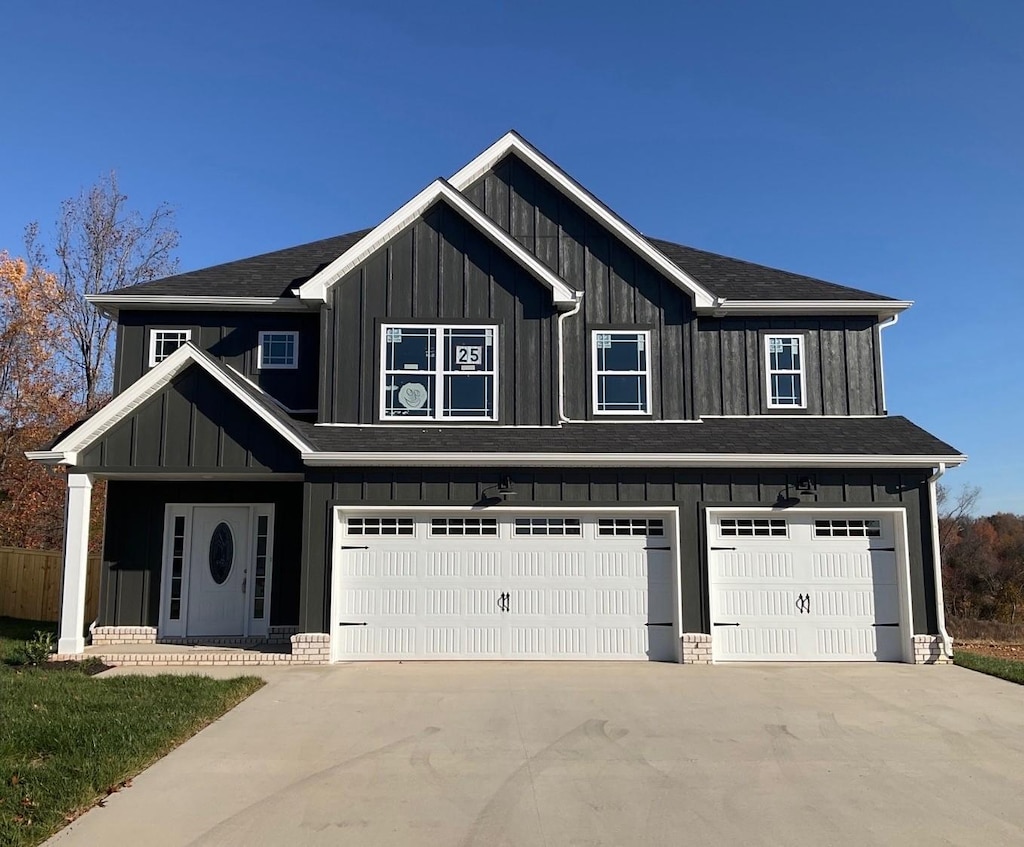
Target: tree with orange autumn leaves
[34, 405]
[55, 347]
[982, 560]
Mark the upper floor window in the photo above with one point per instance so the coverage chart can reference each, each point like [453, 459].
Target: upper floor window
[163, 342]
[439, 372]
[622, 372]
[784, 367]
[278, 350]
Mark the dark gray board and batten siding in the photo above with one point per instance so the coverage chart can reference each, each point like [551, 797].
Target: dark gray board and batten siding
[134, 538]
[840, 360]
[717, 370]
[231, 337]
[692, 491]
[193, 425]
[621, 289]
[440, 269]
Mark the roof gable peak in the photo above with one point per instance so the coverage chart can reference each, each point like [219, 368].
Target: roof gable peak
[513, 142]
[440, 189]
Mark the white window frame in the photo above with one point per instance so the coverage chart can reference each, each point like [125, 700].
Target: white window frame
[269, 366]
[596, 374]
[156, 333]
[438, 372]
[769, 371]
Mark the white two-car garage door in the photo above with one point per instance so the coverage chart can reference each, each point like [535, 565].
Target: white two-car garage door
[503, 585]
[806, 586]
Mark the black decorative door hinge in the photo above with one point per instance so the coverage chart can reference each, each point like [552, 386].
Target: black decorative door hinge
[725, 624]
[722, 548]
[353, 547]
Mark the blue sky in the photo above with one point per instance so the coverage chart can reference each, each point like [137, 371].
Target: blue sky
[876, 144]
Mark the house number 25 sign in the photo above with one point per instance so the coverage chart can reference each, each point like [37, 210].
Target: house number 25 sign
[468, 357]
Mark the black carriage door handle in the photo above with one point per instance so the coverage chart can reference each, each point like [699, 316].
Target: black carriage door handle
[503, 601]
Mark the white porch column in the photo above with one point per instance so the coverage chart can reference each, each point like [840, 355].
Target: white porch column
[76, 564]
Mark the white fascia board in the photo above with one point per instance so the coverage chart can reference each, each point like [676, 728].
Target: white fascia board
[111, 303]
[511, 141]
[691, 460]
[811, 307]
[316, 288]
[150, 384]
[47, 457]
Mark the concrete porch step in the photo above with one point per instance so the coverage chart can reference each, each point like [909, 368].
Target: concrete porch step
[149, 655]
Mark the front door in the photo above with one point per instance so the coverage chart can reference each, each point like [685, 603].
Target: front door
[218, 570]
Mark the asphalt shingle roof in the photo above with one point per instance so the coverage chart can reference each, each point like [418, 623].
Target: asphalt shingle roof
[882, 436]
[276, 274]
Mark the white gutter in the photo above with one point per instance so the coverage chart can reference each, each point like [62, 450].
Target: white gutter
[808, 307]
[561, 357]
[881, 360]
[940, 610]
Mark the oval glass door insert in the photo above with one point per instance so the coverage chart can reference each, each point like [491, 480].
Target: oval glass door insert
[222, 552]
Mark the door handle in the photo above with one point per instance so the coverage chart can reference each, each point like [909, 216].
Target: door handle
[803, 603]
[503, 601]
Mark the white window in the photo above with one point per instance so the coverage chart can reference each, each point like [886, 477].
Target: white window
[622, 372]
[278, 350]
[784, 366]
[439, 373]
[163, 342]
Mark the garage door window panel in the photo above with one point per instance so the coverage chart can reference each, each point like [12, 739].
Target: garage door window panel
[439, 373]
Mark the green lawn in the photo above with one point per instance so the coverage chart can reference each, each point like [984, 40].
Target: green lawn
[68, 739]
[1008, 669]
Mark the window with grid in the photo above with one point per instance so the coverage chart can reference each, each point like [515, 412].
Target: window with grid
[753, 527]
[630, 526]
[259, 591]
[784, 366]
[278, 350]
[163, 342]
[622, 377]
[439, 372]
[848, 528]
[380, 526]
[464, 526]
[177, 566]
[548, 526]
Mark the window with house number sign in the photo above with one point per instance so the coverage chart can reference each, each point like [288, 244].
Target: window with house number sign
[439, 372]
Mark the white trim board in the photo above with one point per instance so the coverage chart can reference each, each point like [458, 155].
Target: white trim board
[68, 449]
[512, 141]
[624, 460]
[315, 289]
[110, 304]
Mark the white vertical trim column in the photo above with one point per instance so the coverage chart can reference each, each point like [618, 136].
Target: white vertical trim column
[76, 564]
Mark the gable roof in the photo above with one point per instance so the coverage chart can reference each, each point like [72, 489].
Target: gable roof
[316, 288]
[283, 279]
[78, 438]
[513, 142]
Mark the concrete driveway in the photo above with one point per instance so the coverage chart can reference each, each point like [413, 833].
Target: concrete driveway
[591, 754]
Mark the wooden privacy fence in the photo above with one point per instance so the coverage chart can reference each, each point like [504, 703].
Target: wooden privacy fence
[30, 584]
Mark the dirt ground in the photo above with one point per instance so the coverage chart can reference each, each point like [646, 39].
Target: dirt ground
[997, 649]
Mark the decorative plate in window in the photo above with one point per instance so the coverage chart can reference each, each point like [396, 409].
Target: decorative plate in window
[222, 552]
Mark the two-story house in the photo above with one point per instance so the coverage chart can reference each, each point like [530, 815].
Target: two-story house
[505, 424]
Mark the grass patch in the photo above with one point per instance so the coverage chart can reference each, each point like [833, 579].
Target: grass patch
[67, 739]
[1008, 669]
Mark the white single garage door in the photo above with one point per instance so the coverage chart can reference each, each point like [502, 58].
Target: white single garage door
[814, 586]
[503, 585]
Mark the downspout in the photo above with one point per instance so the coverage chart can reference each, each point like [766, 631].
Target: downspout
[940, 611]
[561, 357]
[881, 358]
